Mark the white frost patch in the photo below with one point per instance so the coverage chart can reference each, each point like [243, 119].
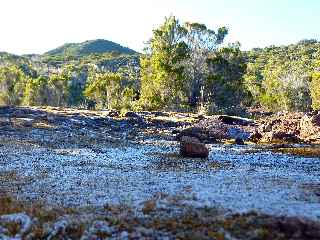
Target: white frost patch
[263, 181]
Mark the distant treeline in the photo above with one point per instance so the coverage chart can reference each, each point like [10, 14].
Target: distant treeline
[185, 67]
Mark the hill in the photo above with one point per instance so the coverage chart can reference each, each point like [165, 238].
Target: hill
[99, 46]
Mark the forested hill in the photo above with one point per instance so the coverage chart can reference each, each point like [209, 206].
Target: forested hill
[99, 46]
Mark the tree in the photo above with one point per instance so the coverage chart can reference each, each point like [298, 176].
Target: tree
[201, 42]
[175, 68]
[36, 92]
[278, 78]
[224, 87]
[58, 89]
[104, 89]
[162, 71]
[12, 85]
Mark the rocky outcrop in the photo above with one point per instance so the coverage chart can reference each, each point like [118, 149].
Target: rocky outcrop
[310, 128]
[283, 127]
[192, 147]
[219, 128]
[286, 127]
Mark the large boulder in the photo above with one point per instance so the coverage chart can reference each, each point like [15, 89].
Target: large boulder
[192, 147]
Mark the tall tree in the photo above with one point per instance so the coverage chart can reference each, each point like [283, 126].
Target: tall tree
[201, 42]
[105, 89]
[224, 88]
[162, 70]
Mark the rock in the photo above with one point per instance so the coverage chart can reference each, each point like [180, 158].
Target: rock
[194, 132]
[4, 122]
[51, 118]
[6, 110]
[238, 133]
[98, 229]
[255, 137]
[281, 127]
[232, 120]
[149, 206]
[19, 113]
[280, 137]
[124, 235]
[192, 147]
[239, 141]
[176, 131]
[160, 114]
[310, 128]
[26, 122]
[135, 119]
[113, 113]
[132, 115]
[58, 229]
[200, 117]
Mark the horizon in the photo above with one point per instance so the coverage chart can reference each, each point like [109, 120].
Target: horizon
[44, 26]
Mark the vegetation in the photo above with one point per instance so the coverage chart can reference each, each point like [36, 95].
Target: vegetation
[185, 67]
[278, 78]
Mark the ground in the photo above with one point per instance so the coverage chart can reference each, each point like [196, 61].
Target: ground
[123, 177]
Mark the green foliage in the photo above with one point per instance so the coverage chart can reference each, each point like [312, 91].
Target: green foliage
[162, 71]
[278, 78]
[184, 68]
[58, 90]
[202, 42]
[36, 92]
[174, 69]
[315, 87]
[12, 85]
[224, 88]
[109, 90]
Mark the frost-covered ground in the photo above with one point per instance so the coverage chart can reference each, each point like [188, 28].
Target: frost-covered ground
[238, 178]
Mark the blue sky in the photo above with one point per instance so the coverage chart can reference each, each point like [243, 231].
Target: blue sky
[36, 26]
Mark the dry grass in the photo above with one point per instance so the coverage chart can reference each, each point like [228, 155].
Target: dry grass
[300, 151]
[10, 205]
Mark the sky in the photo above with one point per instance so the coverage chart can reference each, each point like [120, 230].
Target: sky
[36, 26]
